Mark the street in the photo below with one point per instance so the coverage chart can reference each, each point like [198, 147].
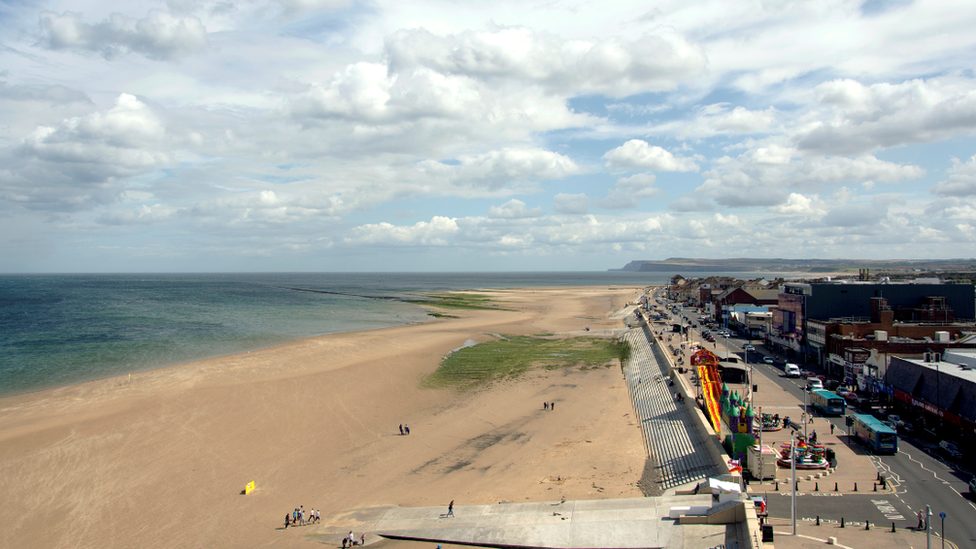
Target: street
[917, 475]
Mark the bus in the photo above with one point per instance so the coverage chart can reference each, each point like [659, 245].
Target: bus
[828, 403]
[877, 436]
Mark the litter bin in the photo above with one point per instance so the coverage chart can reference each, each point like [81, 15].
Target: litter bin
[767, 530]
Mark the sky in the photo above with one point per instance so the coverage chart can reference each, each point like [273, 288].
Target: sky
[438, 135]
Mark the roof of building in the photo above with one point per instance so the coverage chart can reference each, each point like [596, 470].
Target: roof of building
[949, 385]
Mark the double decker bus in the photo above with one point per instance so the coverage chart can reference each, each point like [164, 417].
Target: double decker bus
[828, 403]
[877, 436]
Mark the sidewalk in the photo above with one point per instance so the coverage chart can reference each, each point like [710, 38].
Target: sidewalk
[852, 536]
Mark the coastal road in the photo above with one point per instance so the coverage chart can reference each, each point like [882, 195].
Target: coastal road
[919, 477]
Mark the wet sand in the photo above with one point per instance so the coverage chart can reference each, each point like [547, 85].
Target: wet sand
[161, 459]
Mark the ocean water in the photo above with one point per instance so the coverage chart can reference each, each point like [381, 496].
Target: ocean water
[58, 330]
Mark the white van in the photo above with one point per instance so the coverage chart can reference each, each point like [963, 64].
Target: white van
[792, 370]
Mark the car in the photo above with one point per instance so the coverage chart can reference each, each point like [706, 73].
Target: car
[842, 391]
[768, 359]
[950, 449]
[749, 348]
[814, 384]
[972, 487]
[851, 397]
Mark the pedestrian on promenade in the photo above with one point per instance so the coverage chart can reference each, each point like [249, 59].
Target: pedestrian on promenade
[450, 509]
[921, 526]
[831, 428]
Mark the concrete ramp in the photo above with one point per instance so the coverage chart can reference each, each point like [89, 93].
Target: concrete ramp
[636, 523]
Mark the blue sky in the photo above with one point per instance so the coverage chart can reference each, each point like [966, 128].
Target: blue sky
[334, 135]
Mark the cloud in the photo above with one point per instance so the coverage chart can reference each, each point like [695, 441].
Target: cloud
[514, 209]
[638, 154]
[495, 170]
[440, 231]
[571, 204]
[629, 191]
[853, 118]
[962, 179]
[84, 162]
[158, 36]
[612, 66]
[767, 175]
[53, 94]
[719, 119]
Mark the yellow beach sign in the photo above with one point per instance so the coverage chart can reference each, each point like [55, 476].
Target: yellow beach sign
[249, 488]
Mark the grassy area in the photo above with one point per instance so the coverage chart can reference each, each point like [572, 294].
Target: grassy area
[460, 301]
[437, 314]
[512, 356]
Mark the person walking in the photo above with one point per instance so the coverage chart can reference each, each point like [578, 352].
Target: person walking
[406, 428]
[401, 429]
[831, 428]
[450, 509]
[352, 539]
[362, 539]
[287, 520]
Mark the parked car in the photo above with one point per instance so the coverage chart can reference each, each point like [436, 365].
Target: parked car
[950, 449]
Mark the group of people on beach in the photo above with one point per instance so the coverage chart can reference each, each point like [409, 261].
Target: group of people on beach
[350, 540]
[548, 405]
[404, 429]
[299, 517]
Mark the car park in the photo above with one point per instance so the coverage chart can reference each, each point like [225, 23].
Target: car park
[950, 449]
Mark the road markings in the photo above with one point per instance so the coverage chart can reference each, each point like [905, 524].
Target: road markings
[887, 509]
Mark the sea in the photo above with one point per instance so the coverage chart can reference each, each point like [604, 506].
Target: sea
[64, 329]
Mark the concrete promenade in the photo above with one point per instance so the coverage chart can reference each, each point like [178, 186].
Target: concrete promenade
[633, 523]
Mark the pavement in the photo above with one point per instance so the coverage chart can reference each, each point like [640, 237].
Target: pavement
[629, 523]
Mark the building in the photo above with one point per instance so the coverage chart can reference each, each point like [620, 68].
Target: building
[937, 392]
[809, 313]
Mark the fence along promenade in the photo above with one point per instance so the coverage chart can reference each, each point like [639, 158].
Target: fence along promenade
[669, 438]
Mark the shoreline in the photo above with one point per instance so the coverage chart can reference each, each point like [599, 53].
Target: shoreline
[313, 422]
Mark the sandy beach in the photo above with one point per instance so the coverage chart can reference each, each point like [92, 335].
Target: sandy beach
[160, 459]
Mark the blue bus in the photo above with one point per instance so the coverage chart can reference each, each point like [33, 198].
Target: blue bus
[828, 403]
[877, 436]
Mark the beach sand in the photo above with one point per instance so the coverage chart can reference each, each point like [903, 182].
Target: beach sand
[161, 459]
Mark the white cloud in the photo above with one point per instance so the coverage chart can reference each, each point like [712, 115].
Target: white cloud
[495, 170]
[84, 161]
[159, 35]
[611, 66]
[440, 231]
[572, 204]
[514, 209]
[855, 119]
[962, 179]
[720, 119]
[639, 154]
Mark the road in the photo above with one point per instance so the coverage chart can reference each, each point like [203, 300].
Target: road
[918, 475]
